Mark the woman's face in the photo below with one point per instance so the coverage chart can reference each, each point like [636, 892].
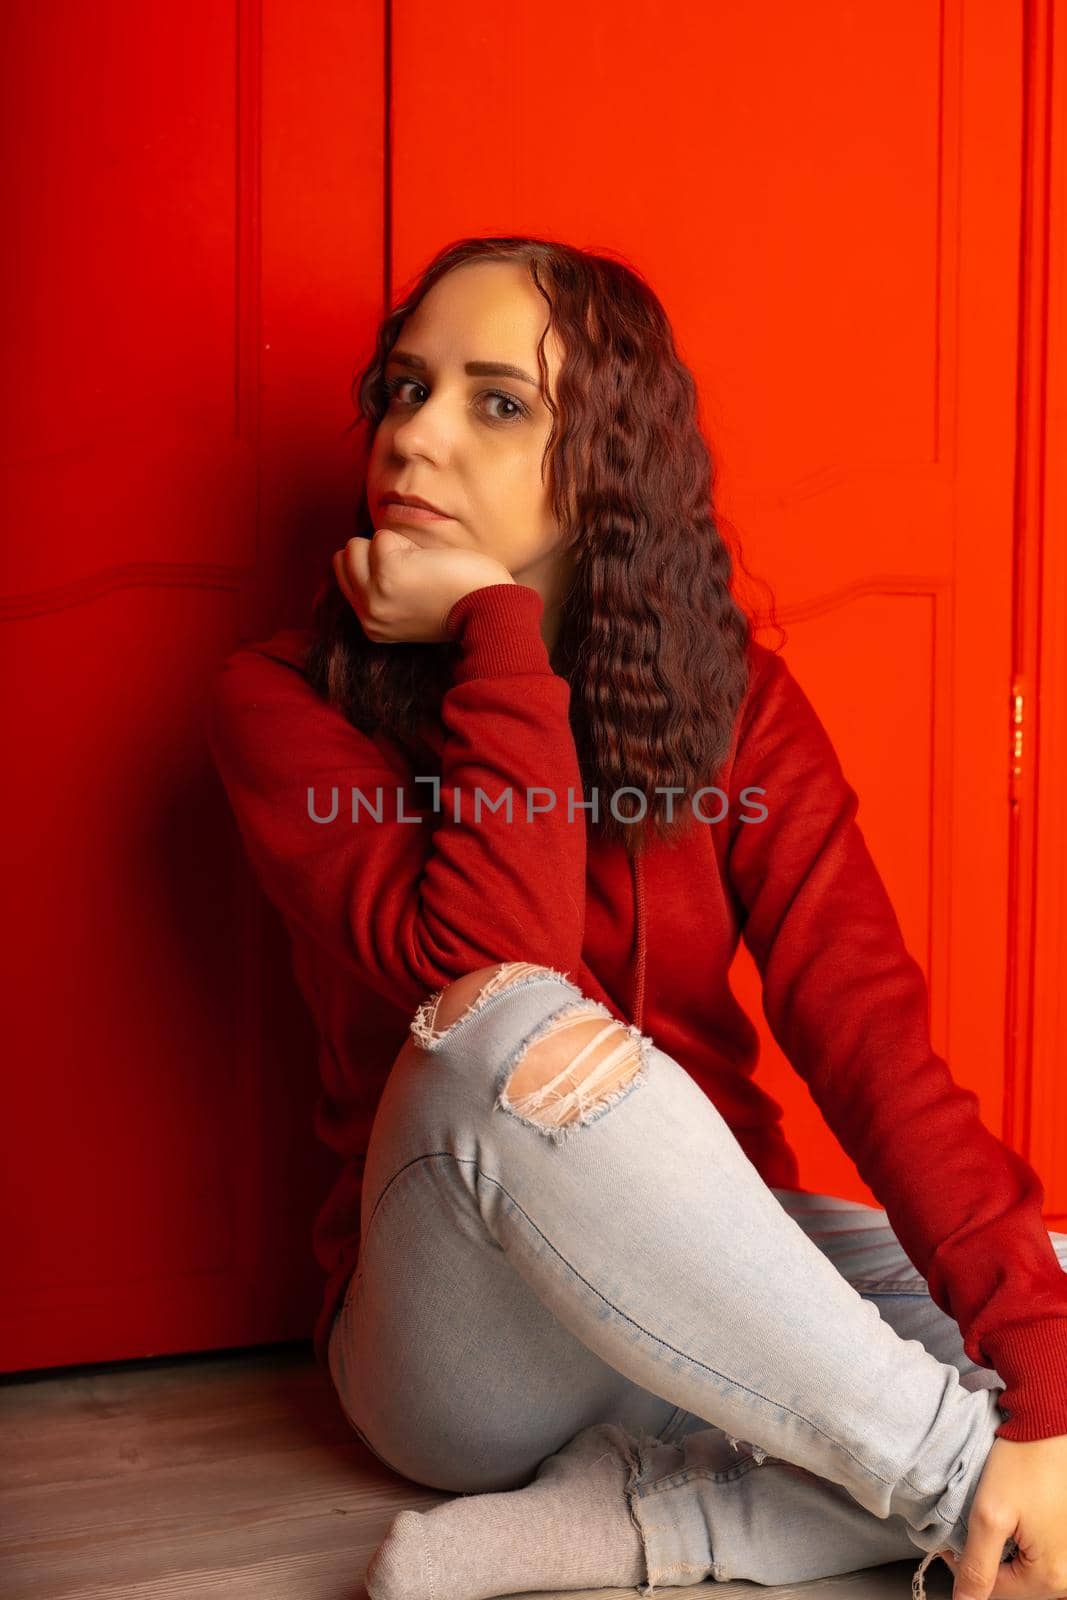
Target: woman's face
[471, 442]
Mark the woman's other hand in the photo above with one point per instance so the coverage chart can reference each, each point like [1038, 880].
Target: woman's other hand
[403, 591]
[1021, 1495]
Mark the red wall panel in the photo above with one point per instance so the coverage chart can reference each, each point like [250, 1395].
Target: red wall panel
[196, 194]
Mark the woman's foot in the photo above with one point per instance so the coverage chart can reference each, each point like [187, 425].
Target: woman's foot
[570, 1528]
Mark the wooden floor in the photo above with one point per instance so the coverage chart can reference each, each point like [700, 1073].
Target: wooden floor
[231, 1475]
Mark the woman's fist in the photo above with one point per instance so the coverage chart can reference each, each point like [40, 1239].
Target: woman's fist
[401, 591]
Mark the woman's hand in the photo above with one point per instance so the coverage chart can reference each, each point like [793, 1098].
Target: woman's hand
[403, 591]
[1021, 1495]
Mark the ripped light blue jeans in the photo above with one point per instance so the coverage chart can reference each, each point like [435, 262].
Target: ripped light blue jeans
[538, 1256]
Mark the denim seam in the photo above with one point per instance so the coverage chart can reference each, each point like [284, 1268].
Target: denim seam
[676, 1417]
[358, 1431]
[448, 1155]
[684, 1475]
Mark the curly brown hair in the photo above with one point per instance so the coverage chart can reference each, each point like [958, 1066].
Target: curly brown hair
[651, 639]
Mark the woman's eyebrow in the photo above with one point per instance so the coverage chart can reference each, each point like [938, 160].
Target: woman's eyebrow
[477, 369]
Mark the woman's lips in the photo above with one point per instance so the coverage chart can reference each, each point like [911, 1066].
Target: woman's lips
[395, 511]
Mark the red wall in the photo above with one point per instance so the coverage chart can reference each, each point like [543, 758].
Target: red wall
[845, 210]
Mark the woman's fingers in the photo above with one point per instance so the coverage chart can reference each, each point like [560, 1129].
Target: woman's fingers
[402, 592]
[341, 575]
[357, 555]
[352, 568]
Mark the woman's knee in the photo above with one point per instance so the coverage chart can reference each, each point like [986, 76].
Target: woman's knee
[576, 1065]
[457, 998]
[466, 995]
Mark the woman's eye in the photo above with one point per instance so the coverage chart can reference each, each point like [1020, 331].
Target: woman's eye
[393, 385]
[507, 400]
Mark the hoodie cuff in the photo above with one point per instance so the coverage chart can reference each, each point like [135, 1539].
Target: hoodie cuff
[498, 629]
[1032, 1360]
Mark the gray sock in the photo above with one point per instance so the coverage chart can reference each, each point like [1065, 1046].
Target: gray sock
[570, 1528]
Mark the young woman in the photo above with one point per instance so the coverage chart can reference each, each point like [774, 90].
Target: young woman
[518, 795]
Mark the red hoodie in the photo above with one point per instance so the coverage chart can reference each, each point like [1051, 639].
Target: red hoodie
[381, 912]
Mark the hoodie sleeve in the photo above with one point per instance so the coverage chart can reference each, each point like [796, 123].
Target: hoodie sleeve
[413, 901]
[850, 1008]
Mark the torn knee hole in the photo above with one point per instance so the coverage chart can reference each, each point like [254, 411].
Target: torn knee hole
[466, 995]
[583, 1062]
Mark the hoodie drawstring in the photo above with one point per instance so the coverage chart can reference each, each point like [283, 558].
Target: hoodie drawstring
[637, 986]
